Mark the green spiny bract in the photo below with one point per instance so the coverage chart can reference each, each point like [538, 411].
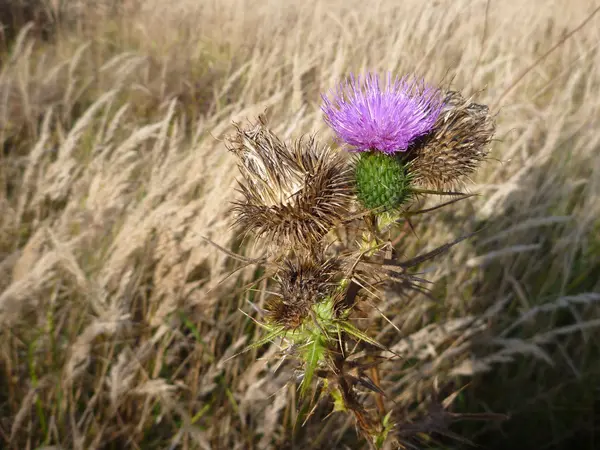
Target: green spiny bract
[382, 181]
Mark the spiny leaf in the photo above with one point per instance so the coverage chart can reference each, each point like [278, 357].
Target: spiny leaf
[279, 331]
[313, 353]
[338, 400]
[435, 192]
[407, 214]
[387, 425]
[356, 333]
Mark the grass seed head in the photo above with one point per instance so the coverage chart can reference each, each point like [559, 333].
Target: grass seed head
[293, 194]
[456, 146]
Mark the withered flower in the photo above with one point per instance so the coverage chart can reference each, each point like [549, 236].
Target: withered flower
[455, 147]
[293, 194]
[302, 283]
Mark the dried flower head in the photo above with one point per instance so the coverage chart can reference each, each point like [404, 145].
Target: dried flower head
[293, 194]
[458, 143]
[369, 116]
[302, 283]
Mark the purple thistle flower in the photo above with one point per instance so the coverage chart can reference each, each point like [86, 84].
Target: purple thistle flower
[369, 117]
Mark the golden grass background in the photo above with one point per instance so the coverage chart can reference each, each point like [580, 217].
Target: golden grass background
[116, 327]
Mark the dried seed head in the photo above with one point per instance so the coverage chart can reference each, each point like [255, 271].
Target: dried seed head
[302, 283]
[456, 146]
[293, 194]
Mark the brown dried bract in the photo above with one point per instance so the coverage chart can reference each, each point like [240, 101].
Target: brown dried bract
[456, 146]
[302, 283]
[293, 194]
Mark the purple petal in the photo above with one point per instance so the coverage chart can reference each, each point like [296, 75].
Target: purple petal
[369, 116]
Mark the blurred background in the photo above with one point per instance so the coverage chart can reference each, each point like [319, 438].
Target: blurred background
[118, 321]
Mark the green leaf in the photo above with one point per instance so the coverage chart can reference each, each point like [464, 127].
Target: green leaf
[356, 333]
[279, 331]
[338, 400]
[313, 353]
[381, 437]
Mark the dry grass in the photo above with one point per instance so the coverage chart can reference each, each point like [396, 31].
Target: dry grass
[116, 325]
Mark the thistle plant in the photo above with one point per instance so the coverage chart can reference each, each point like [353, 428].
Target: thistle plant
[320, 211]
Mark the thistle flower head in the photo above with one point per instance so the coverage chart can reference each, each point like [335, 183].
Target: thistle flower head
[302, 283]
[456, 146]
[385, 116]
[292, 194]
